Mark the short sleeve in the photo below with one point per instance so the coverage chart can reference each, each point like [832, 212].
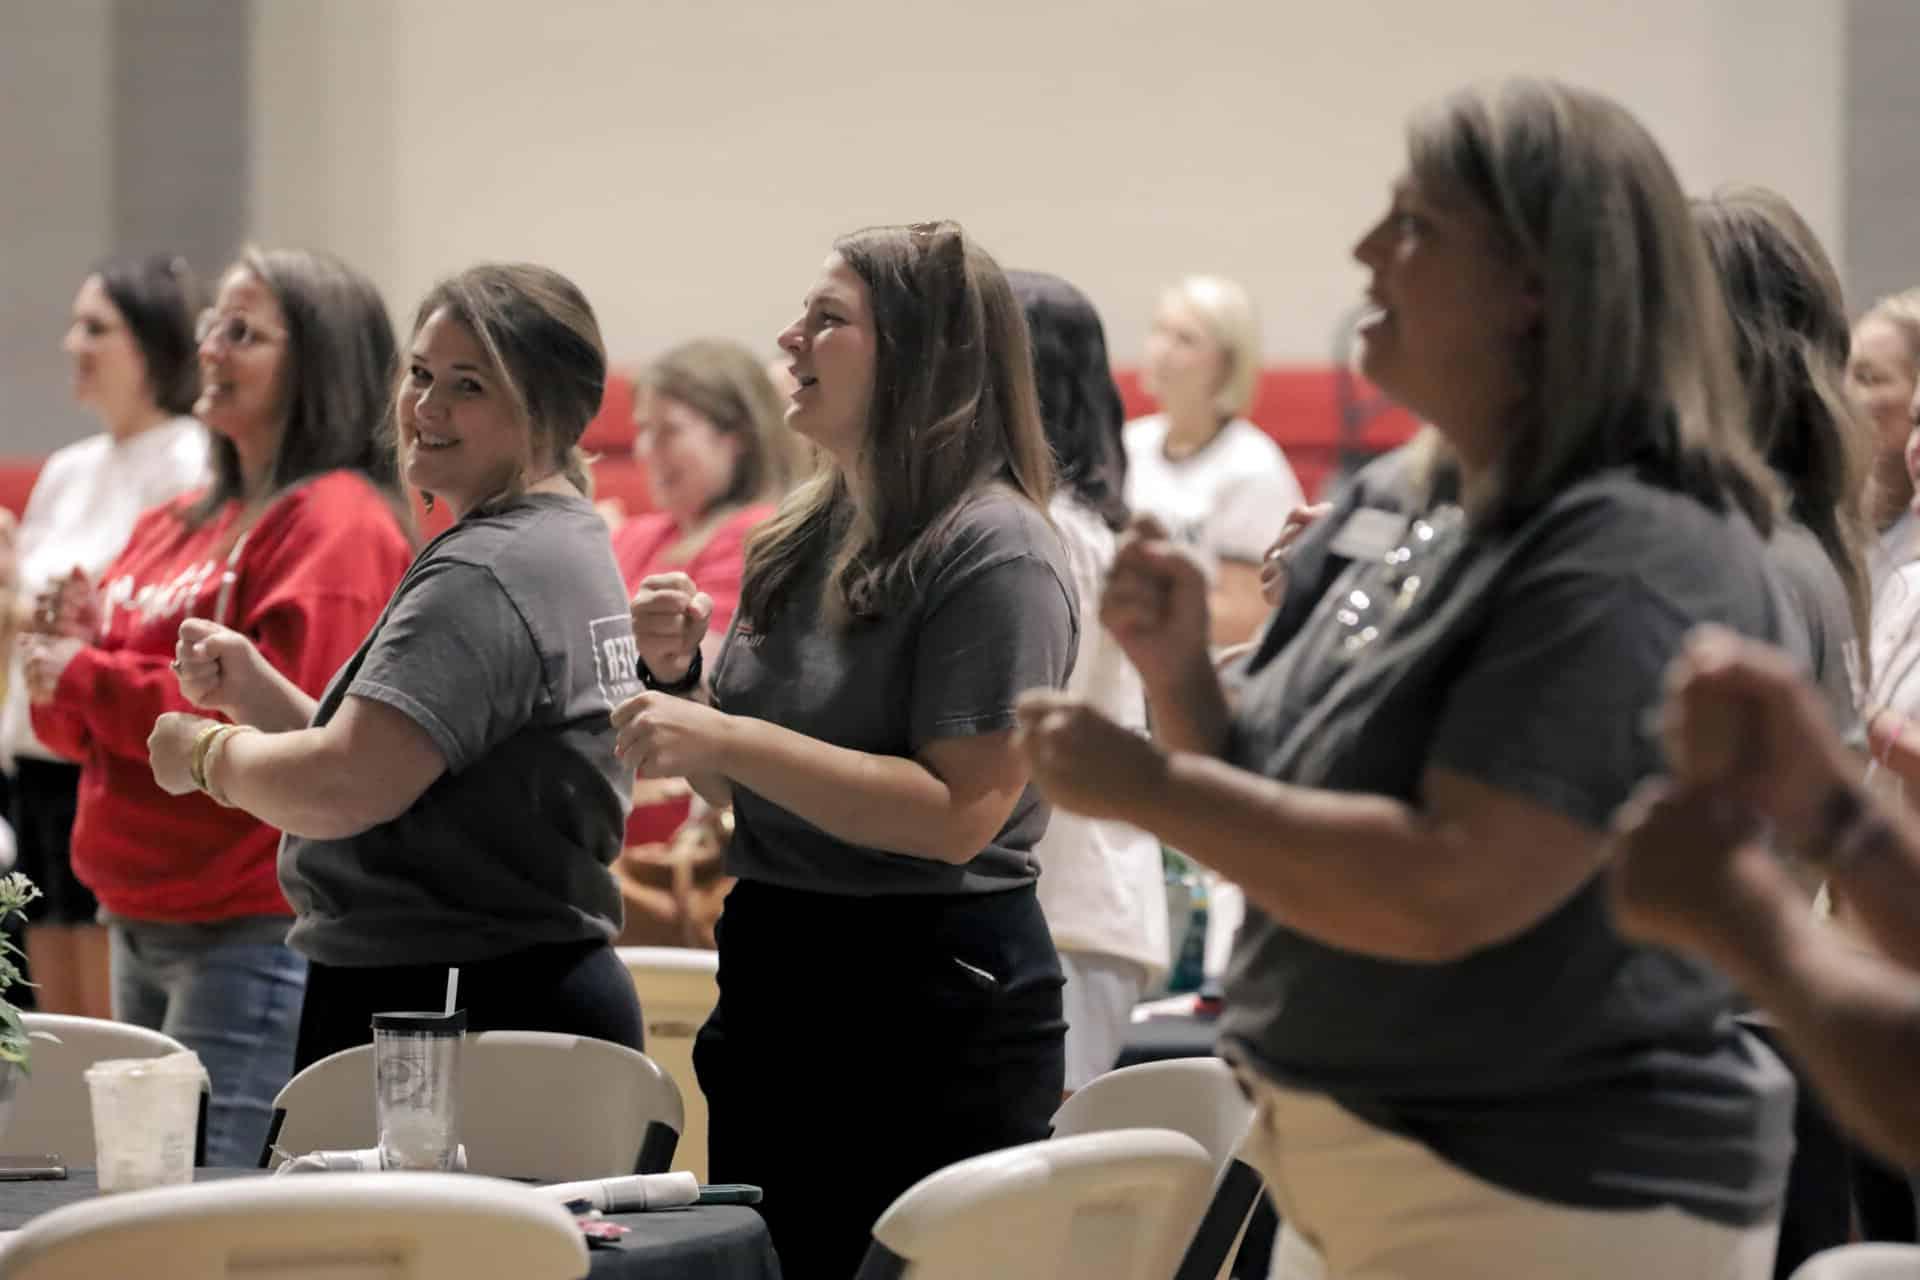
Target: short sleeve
[1007, 628]
[454, 656]
[1251, 512]
[1552, 700]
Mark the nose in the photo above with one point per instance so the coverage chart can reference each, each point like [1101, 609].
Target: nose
[791, 339]
[71, 342]
[1369, 252]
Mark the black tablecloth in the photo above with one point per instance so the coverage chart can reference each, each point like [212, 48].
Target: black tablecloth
[1169, 1036]
[708, 1242]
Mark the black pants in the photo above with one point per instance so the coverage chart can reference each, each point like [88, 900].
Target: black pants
[577, 988]
[45, 795]
[863, 1043]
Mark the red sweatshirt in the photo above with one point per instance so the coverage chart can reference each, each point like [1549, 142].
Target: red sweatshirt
[310, 582]
[639, 548]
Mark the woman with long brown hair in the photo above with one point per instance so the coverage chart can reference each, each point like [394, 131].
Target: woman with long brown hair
[860, 719]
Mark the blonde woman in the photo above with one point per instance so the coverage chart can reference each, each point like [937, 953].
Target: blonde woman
[1218, 482]
[1455, 1058]
[1882, 374]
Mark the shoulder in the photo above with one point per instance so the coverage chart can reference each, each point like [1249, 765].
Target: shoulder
[69, 464]
[336, 495]
[1244, 442]
[539, 534]
[995, 527]
[183, 440]
[1144, 433]
[638, 537]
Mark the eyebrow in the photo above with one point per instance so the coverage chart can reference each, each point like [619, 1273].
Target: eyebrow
[420, 357]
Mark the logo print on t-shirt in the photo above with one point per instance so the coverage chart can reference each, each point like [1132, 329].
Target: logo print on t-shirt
[614, 655]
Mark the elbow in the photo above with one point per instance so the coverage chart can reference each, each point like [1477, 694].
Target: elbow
[350, 808]
[956, 844]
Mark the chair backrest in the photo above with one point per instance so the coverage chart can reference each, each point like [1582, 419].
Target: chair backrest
[678, 988]
[533, 1104]
[345, 1226]
[1102, 1206]
[1862, 1262]
[1200, 1098]
[52, 1110]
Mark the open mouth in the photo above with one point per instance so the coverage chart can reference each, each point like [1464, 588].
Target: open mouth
[806, 382]
[431, 443]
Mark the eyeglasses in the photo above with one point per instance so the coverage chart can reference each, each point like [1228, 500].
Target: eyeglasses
[1388, 588]
[236, 330]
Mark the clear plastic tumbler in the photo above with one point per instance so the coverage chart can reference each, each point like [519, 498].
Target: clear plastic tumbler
[416, 1087]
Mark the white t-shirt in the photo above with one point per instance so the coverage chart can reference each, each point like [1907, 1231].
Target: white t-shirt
[1101, 886]
[1228, 499]
[82, 508]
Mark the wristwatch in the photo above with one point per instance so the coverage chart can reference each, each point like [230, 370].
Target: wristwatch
[684, 685]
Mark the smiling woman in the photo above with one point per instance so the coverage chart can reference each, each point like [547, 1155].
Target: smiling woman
[294, 545]
[860, 720]
[452, 798]
[1412, 781]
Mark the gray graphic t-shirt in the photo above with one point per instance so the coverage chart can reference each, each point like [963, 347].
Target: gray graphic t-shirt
[508, 642]
[1564, 1063]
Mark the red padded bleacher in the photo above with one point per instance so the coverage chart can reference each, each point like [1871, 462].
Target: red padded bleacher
[1298, 406]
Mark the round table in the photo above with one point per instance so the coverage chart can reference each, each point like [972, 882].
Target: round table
[704, 1242]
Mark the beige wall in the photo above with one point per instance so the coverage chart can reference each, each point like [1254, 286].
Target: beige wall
[689, 160]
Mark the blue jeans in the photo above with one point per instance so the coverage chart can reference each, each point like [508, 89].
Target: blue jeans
[232, 996]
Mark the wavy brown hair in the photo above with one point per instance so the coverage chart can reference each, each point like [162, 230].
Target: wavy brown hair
[953, 410]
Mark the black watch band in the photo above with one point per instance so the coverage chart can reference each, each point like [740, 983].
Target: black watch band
[684, 685]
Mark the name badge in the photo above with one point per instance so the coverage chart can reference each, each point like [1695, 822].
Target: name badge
[1369, 533]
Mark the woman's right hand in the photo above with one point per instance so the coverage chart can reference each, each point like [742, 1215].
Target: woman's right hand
[68, 607]
[1273, 566]
[670, 616]
[220, 669]
[1155, 604]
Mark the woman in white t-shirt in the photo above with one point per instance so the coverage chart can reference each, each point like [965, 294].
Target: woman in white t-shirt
[1101, 885]
[132, 350]
[1216, 481]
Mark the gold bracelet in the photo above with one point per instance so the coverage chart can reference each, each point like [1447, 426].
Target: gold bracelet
[214, 750]
[197, 770]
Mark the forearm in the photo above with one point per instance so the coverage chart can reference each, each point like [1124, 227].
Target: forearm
[1235, 606]
[278, 705]
[881, 802]
[1364, 873]
[1191, 714]
[301, 782]
[1850, 1018]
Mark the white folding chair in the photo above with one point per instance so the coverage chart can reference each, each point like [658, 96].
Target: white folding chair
[343, 1226]
[1862, 1262]
[1102, 1206]
[678, 989]
[52, 1109]
[1200, 1098]
[533, 1104]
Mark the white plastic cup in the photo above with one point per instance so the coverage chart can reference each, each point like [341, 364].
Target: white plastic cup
[146, 1113]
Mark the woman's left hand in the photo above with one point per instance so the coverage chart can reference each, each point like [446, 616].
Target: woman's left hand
[170, 750]
[43, 660]
[661, 736]
[1084, 762]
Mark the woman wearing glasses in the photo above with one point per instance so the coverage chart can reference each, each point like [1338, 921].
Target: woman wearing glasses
[130, 342]
[1454, 1056]
[297, 543]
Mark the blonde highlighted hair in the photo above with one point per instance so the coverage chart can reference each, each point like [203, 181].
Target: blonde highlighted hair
[1226, 312]
[1901, 311]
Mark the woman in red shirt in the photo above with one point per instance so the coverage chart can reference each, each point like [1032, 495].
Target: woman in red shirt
[297, 543]
[718, 461]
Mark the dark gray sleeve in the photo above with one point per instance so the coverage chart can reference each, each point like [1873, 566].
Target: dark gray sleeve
[1007, 628]
[1552, 700]
[456, 658]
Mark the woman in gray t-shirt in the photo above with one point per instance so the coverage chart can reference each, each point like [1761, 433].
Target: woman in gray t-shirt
[889, 992]
[453, 797]
[1459, 1065]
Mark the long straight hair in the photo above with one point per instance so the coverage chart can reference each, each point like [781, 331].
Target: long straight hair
[953, 410]
[1632, 361]
[1791, 341]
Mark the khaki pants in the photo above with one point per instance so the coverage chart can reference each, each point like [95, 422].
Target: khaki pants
[1358, 1203]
